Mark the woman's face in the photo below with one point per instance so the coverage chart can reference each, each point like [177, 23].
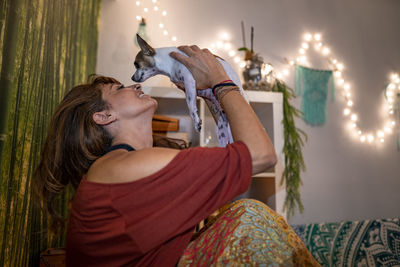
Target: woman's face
[127, 102]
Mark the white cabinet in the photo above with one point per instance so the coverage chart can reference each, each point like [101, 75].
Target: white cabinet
[268, 107]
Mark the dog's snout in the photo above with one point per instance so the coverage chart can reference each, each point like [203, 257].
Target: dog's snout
[136, 77]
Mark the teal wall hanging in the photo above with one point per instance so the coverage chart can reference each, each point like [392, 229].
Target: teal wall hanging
[313, 86]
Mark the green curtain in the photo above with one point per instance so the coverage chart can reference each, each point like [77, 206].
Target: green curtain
[47, 46]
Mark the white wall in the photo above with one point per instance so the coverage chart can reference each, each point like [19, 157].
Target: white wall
[345, 180]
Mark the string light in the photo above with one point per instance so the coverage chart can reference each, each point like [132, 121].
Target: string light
[155, 8]
[392, 90]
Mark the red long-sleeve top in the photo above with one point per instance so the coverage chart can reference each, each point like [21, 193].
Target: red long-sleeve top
[149, 222]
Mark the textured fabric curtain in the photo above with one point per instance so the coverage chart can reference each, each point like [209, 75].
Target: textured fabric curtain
[47, 46]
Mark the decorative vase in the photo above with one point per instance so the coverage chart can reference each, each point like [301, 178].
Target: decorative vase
[252, 70]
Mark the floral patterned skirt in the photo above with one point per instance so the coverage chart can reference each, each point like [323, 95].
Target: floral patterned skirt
[247, 233]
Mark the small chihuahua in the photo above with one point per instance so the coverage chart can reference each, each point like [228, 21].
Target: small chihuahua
[150, 62]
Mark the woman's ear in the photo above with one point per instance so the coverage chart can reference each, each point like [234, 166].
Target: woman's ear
[103, 117]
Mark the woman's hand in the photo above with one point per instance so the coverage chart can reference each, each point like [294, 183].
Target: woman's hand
[203, 65]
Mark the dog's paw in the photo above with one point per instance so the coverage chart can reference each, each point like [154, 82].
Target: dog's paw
[197, 126]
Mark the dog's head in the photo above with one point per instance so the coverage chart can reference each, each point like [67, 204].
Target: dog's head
[144, 61]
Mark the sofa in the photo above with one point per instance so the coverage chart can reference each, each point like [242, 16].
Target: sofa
[367, 243]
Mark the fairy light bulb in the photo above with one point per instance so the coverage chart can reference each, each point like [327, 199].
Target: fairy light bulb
[242, 64]
[350, 103]
[370, 138]
[362, 138]
[346, 87]
[326, 51]
[225, 36]
[227, 46]
[346, 111]
[291, 62]
[139, 18]
[232, 53]
[354, 117]
[173, 38]
[381, 134]
[308, 37]
[237, 59]
[317, 37]
[339, 66]
[164, 13]
[165, 32]
[394, 76]
[302, 51]
[154, 1]
[338, 74]
[305, 45]
[146, 9]
[285, 72]
[138, 3]
[391, 86]
[156, 8]
[161, 25]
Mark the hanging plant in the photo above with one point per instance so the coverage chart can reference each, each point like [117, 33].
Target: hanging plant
[294, 162]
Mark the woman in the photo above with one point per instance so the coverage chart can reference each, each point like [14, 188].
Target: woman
[138, 205]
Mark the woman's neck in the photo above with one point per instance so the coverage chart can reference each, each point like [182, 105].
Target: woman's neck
[137, 134]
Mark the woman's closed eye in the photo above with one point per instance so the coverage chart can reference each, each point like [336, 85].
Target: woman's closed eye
[122, 86]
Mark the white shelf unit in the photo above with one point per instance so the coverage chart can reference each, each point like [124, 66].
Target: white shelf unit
[268, 107]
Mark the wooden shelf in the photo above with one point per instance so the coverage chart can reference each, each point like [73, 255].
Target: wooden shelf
[265, 175]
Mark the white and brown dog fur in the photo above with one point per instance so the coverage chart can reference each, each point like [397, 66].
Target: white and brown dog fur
[150, 62]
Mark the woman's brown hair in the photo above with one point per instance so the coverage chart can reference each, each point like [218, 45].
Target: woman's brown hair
[74, 141]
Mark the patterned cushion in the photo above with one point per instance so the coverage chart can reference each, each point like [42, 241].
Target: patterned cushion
[366, 243]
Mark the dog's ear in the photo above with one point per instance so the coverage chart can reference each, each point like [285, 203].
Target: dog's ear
[145, 47]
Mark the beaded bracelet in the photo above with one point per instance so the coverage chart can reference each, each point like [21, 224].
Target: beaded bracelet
[223, 83]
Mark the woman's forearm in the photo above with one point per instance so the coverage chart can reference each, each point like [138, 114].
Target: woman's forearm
[246, 127]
